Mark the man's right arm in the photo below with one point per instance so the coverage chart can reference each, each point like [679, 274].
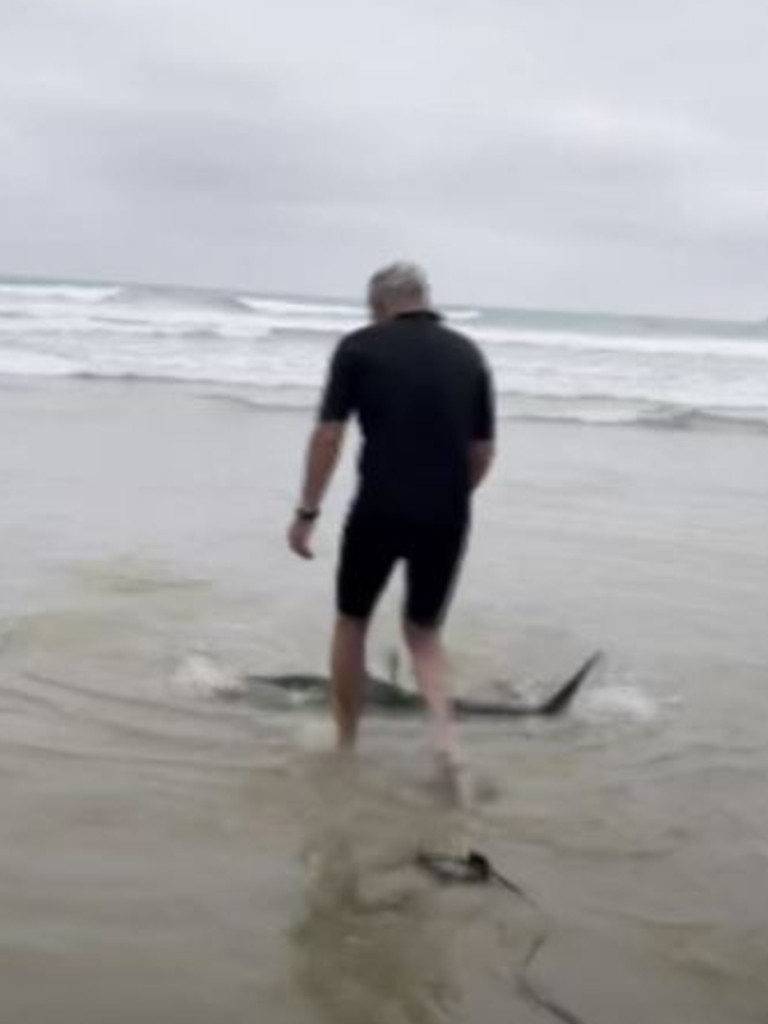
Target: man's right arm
[482, 448]
[324, 447]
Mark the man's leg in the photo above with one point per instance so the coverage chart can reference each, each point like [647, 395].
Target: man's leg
[431, 670]
[434, 560]
[368, 554]
[348, 677]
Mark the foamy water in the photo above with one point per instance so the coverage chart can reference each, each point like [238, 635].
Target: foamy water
[594, 369]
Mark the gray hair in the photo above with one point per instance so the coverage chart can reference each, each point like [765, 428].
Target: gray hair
[399, 282]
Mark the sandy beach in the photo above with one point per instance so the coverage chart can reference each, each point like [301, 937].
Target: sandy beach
[168, 856]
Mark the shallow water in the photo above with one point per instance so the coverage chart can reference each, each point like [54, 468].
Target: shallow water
[170, 856]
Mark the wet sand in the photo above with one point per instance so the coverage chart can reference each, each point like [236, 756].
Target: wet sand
[167, 856]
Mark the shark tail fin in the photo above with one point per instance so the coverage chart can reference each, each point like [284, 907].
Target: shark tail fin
[562, 699]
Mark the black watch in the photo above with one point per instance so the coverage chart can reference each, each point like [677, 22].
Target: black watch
[307, 515]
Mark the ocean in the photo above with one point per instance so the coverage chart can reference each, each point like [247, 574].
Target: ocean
[169, 855]
[597, 369]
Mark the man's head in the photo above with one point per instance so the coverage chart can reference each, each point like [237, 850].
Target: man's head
[398, 288]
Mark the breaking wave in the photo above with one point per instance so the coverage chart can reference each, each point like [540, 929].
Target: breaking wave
[665, 375]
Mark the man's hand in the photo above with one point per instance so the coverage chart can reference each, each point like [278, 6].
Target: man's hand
[299, 535]
[322, 455]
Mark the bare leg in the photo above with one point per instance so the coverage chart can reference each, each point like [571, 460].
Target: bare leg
[431, 670]
[347, 677]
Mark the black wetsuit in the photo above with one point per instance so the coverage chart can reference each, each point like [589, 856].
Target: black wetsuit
[422, 394]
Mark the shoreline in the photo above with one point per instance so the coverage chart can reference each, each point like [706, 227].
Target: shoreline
[593, 413]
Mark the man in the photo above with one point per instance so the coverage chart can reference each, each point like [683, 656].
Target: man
[424, 400]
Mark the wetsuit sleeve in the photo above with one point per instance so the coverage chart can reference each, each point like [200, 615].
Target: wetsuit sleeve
[484, 409]
[339, 399]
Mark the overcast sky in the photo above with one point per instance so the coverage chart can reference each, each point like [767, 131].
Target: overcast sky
[590, 154]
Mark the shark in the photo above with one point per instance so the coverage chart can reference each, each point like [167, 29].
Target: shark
[388, 696]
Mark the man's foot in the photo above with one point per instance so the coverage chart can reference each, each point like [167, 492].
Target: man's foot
[450, 776]
[345, 746]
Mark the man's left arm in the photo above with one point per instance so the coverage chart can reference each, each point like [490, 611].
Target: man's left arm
[482, 448]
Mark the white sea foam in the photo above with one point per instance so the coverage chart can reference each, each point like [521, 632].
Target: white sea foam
[703, 345]
[281, 308]
[546, 366]
[199, 674]
[617, 702]
[16, 363]
[29, 293]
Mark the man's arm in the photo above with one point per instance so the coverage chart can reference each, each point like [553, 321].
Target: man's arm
[481, 455]
[323, 450]
[482, 448]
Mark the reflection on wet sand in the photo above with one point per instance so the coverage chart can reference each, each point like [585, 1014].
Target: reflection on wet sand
[368, 945]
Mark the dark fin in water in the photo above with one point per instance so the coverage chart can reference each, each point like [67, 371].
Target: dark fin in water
[562, 700]
[555, 705]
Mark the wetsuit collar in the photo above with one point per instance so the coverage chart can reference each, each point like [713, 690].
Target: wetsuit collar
[418, 314]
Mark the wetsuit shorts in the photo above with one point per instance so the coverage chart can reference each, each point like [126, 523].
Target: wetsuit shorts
[371, 548]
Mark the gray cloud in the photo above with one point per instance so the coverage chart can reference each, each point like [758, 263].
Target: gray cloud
[548, 154]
